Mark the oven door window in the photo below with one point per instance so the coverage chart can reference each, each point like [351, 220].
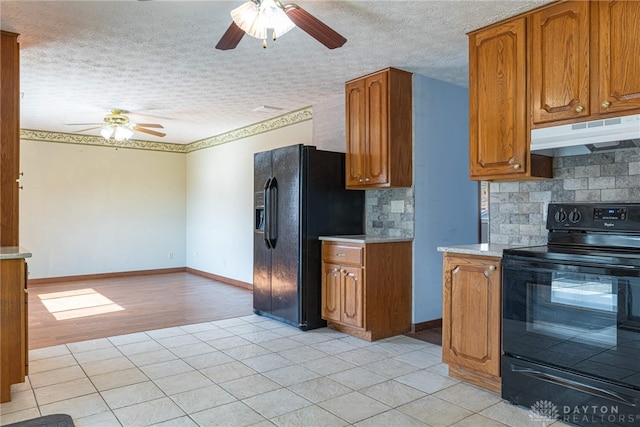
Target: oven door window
[573, 317]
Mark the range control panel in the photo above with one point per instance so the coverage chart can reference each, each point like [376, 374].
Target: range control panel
[594, 216]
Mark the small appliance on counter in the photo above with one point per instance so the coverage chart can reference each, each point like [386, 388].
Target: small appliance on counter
[299, 194]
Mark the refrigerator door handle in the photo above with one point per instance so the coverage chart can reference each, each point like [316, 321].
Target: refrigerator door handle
[267, 213]
[273, 212]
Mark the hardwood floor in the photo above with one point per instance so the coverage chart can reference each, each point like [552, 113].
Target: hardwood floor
[61, 313]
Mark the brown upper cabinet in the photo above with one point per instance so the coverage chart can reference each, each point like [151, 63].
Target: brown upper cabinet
[379, 130]
[584, 61]
[499, 134]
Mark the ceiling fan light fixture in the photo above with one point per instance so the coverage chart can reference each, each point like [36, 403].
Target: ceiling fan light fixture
[122, 133]
[106, 131]
[256, 17]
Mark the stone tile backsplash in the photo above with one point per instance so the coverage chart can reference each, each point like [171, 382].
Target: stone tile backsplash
[381, 218]
[517, 210]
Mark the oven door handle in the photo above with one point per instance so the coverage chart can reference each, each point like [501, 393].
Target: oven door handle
[574, 385]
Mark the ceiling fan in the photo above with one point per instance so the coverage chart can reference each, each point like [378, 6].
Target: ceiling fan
[119, 126]
[256, 17]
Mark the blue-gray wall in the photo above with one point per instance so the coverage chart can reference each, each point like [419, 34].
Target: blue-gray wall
[446, 201]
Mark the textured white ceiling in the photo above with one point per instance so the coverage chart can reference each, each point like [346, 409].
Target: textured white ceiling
[156, 59]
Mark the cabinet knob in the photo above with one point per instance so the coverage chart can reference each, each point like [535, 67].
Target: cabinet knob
[606, 104]
[343, 271]
[367, 180]
[334, 271]
[26, 291]
[340, 254]
[492, 268]
[579, 109]
[361, 180]
[516, 166]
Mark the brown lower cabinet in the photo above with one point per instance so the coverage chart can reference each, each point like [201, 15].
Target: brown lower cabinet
[471, 318]
[366, 288]
[13, 325]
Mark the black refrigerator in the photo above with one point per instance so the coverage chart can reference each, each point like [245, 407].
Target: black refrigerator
[299, 194]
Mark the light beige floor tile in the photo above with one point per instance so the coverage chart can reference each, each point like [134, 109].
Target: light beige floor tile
[328, 365]
[440, 369]
[390, 368]
[47, 352]
[309, 416]
[261, 336]
[158, 334]
[289, 375]
[89, 345]
[281, 344]
[22, 415]
[140, 347]
[354, 407]
[361, 356]
[55, 376]
[62, 391]
[206, 360]
[78, 407]
[198, 327]
[388, 349]
[420, 359]
[285, 330]
[512, 415]
[129, 338]
[316, 336]
[435, 412]
[131, 394]
[267, 362]
[203, 398]
[152, 357]
[106, 366]
[177, 422]
[357, 378]
[477, 420]
[277, 402]
[357, 342]
[178, 340]
[246, 351]
[469, 396]
[393, 393]
[20, 401]
[245, 387]
[227, 323]
[247, 328]
[194, 349]
[23, 386]
[186, 381]
[50, 363]
[235, 414]
[97, 355]
[147, 413]
[228, 372]
[213, 334]
[333, 346]
[118, 379]
[228, 342]
[391, 418]
[166, 369]
[303, 354]
[103, 419]
[411, 343]
[427, 381]
[320, 389]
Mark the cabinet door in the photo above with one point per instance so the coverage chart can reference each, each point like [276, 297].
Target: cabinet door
[560, 62]
[472, 314]
[377, 136]
[352, 297]
[331, 278]
[498, 132]
[619, 56]
[356, 113]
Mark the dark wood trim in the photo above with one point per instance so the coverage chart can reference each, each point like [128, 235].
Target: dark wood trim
[222, 279]
[422, 326]
[60, 279]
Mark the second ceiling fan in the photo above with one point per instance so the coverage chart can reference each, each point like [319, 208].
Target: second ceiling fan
[256, 17]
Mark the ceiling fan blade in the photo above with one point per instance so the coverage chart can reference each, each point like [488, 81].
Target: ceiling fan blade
[313, 26]
[231, 37]
[84, 130]
[150, 125]
[149, 131]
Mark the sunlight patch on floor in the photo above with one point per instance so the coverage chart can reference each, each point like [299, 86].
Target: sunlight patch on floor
[78, 303]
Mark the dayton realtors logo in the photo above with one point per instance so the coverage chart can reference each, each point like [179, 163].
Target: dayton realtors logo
[546, 413]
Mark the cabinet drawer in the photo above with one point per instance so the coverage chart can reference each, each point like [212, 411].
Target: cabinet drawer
[342, 254]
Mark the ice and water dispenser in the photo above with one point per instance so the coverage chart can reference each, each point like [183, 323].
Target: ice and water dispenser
[258, 202]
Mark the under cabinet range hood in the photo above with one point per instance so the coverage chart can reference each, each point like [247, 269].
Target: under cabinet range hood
[587, 137]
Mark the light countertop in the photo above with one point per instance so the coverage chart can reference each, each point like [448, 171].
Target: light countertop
[13, 252]
[363, 238]
[486, 249]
